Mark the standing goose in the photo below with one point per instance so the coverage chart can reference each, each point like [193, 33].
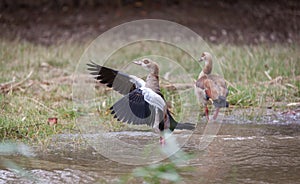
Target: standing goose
[142, 102]
[210, 87]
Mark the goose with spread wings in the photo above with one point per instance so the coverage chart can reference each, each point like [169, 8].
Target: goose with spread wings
[143, 102]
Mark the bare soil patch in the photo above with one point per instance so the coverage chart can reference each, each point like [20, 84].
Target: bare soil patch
[229, 21]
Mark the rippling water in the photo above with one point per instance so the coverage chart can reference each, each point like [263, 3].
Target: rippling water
[239, 153]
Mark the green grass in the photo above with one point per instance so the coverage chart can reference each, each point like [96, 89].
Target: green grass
[25, 111]
[248, 63]
[245, 67]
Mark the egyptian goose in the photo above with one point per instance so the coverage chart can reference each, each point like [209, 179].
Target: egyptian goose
[142, 102]
[210, 87]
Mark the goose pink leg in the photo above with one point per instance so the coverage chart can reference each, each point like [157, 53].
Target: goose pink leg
[206, 113]
[216, 113]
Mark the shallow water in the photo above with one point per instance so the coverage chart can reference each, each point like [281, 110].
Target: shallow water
[238, 153]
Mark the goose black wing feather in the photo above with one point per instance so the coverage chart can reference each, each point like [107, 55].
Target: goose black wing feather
[117, 80]
[132, 108]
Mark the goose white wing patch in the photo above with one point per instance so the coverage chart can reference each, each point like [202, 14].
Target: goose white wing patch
[153, 98]
[137, 81]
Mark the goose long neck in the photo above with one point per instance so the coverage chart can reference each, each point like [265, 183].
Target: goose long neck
[152, 80]
[207, 67]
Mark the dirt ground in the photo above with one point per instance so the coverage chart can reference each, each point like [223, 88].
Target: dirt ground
[227, 21]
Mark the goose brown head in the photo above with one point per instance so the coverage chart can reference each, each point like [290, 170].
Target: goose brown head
[207, 58]
[148, 64]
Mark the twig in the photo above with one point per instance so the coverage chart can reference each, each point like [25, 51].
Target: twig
[70, 79]
[41, 104]
[178, 86]
[292, 86]
[293, 104]
[22, 81]
[277, 80]
[267, 74]
[8, 83]
[9, 86]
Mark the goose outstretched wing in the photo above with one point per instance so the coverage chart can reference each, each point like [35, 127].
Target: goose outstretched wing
[121, 82]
